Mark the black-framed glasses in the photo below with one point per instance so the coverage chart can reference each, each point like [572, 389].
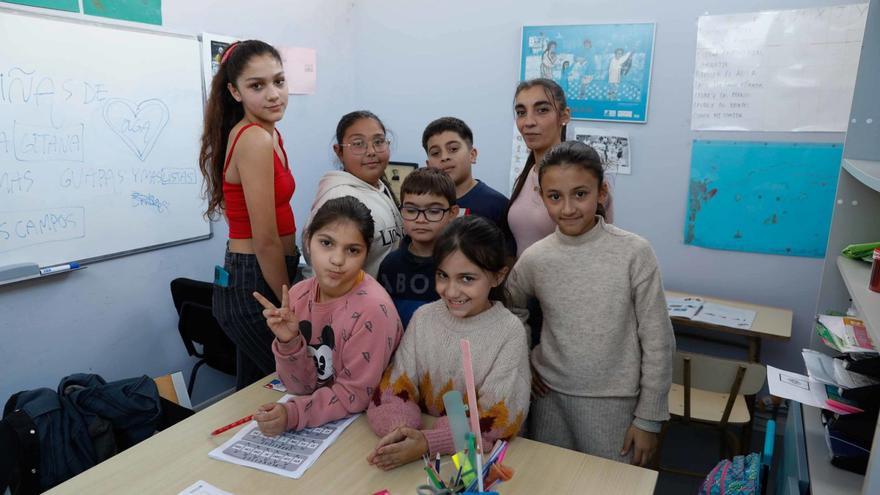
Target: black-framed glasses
[431, 214]
[359, 146]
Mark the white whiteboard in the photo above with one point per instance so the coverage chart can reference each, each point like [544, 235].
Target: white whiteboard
[790, 70]
[99, 135]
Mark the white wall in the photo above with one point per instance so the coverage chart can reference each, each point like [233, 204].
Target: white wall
[116, 318]
[461, 58]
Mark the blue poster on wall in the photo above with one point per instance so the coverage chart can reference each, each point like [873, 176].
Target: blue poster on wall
[762, 197]
[604, 69]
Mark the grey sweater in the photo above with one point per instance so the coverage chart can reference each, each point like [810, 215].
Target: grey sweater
[606, 331]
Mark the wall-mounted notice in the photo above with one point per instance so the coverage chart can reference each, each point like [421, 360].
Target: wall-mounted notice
[761, 197]
[611, 145]
[66, 5]
[518, 156]
[98, 153]
[790, 70]
[146, 11]
[604, 69]
[300, 69]
[213, 48]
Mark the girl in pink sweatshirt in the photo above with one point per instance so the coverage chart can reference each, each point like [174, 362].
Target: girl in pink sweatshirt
[335, 332]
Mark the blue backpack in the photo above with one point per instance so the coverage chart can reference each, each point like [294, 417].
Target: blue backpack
[740, 476]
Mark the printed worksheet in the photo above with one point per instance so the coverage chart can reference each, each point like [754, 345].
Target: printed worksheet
[683, 307]
[289, 454]
[718, 314]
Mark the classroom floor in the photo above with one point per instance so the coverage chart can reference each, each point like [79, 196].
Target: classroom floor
[696, 449]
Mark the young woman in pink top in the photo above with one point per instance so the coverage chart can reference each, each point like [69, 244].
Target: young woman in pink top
[541, 116]
[335, 332]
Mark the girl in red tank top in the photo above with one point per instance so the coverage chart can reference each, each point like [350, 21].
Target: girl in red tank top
[248, 180]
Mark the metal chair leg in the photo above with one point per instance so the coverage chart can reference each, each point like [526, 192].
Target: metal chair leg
[192, 376]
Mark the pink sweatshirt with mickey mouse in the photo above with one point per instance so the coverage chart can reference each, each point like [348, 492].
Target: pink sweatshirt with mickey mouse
[344, 345]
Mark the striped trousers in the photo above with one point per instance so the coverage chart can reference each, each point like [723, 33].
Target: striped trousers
[241, 316]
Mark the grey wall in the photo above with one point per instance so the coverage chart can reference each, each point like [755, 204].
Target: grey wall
[461, 58]
[410, 62]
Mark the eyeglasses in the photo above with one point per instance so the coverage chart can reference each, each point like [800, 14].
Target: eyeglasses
[431, 214]
[359, 146]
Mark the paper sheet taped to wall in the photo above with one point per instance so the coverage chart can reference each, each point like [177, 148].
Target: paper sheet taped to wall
[790, 70]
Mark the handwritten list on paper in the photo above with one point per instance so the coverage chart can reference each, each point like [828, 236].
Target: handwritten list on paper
[791, 70]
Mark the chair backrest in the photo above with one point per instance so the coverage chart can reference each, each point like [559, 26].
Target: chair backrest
[196, 322]
[189, 290]
[718, 374]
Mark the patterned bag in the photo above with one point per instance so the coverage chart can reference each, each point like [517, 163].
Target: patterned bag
[740, 476]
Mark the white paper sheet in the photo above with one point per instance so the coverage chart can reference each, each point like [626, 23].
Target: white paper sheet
[789, 70]
[518, 156]
[796, 387]
[718, 314]
[203, 488]
[683, 307]
[300, 69]
[289, 454]
[820, 367]
[848, 379]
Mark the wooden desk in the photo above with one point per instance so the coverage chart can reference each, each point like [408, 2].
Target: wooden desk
[177, 457]
[770, 323]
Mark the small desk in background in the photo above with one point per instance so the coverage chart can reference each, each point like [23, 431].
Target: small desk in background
[770, 323]
[177, 457]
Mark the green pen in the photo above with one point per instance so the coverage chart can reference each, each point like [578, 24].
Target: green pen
[472, 449]
[433, 477]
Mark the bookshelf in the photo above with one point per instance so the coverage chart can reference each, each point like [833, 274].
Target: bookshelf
[856, 219]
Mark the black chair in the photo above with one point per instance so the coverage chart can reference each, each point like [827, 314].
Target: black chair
[196, 324]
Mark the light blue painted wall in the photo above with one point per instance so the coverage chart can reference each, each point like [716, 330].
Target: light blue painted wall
[116, 318]
[416, 62]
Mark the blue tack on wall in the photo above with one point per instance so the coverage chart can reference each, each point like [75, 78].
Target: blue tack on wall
[762, 197]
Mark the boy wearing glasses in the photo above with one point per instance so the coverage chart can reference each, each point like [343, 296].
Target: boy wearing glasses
[449, 143]
[427, 199]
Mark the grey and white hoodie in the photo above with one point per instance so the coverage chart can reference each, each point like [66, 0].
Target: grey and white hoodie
[386, 216]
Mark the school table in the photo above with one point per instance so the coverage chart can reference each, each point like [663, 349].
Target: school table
[770, 323]
[177, 457]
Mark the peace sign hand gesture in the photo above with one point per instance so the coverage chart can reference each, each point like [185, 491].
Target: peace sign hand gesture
[281, 321]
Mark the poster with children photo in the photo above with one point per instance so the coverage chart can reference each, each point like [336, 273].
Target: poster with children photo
[612, 147]
[213, 46]
[604, 69]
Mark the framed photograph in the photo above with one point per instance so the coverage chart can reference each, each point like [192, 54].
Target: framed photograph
[611, 145]
[213, 46]
[604, 69]
[396, 172]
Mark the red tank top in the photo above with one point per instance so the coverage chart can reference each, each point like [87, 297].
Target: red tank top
[236, 207]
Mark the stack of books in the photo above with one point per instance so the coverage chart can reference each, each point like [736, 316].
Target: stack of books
[846, 386]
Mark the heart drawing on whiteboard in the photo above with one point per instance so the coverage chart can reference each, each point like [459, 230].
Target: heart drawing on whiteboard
[138, 126]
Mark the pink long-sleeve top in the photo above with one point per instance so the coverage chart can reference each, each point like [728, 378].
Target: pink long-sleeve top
[344, 345]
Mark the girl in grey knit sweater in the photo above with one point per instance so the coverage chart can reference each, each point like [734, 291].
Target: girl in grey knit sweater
[602, 371]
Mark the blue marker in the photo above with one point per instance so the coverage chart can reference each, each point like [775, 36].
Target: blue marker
[59, 268]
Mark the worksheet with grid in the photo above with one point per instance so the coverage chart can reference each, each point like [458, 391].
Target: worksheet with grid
[289, 454]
